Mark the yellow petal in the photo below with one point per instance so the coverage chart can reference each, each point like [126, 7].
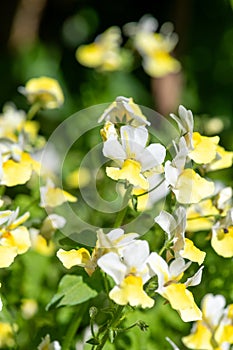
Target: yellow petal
[222, 242]
[131, 172]
[142, 200]
[204, 148]
[192, 253]
[90, 55]
[42, 246]
[16, 173]
[160, 63]
[200, 339]
[223, 160]
[7, 255]
[192, 188]
[20, 239]
[46, 91]
[79, 257]
[131, 291]
[56, 196]
[224, 333]
[182, 300]
[195, 213]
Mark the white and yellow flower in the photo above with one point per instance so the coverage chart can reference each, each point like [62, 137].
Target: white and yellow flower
[14, 237]
[175, 225]
[44, 91]
[222, 235]
[124, 110]
[155, 48]
[52, 196]
[47, 344]
[132, 156]
[130, 272]
[185, 124]
[113, 241]
[170, 287]
[16, 166]
[188, 186]
[105, 52]
[215, 330]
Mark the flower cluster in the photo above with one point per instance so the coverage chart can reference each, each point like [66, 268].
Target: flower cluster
[155, 48]
[135, 162]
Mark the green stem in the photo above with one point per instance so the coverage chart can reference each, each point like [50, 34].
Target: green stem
[113, 323]
[122, 212]
[152, 189]
[73, 328]
[33, 110]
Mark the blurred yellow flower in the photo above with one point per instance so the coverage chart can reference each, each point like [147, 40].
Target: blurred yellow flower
[44, 91]
[52, 196]
[29, 308]
[105, 52]
[201, 216]
[222, 160]
[155, 48]
[79, 178]
[6, 335]
[14, 238]
[205, 148]
[18, 172]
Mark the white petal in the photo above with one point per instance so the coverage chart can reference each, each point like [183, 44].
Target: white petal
[113, 149]
[171, 173]
[136, 253]
[152, 156]
[111, 264]
[178, 266]
[133, 140]
[195, 279]
[166, 221]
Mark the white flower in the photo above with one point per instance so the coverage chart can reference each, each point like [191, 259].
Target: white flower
[186, 184]
[171, 289]
[132, 156]
[47, 345]
[185, 123]
[175, 225]
[123, 109]
[130, 272]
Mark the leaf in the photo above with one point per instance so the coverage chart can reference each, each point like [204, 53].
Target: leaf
[71, 291]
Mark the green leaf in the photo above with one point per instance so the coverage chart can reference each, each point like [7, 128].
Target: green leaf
[71, 291]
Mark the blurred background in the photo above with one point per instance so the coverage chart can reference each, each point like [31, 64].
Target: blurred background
[40, 37]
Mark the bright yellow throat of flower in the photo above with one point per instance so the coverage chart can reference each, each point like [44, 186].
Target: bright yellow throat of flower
[131, 171]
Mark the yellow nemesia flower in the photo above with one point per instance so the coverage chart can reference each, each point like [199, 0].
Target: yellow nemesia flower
[131, 171]
[79, 178]
[6, 335]
[205, 148]
[52, 196]
[223, 160]
[18, 172]
[182, 300]
[14, 239]
[77, 257]
[105, 52]
[45, 91]
[192, 253]
[131, 291]
[222, 241]
[200, 339]
[160, 63]
[196, 220]
[192, 188]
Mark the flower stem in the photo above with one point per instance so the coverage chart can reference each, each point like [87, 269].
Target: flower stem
[113, 323]
[33, 110]
[73, 328]
[122, 212]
